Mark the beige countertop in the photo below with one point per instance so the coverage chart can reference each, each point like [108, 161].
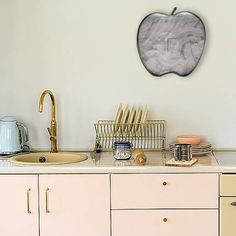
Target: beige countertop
[218, 162]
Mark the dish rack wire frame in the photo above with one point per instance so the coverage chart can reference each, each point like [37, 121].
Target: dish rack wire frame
[150, 135]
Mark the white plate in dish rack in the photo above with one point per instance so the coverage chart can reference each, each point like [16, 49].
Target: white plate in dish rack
[131, 118]
[137, 119]
[144, 115]
[125, 118]
[144, 118]
[118, 118]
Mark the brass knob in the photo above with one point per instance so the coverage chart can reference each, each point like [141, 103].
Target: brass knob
[164, 219]
[164, 183]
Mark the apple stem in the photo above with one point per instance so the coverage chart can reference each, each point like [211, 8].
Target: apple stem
[172, 13]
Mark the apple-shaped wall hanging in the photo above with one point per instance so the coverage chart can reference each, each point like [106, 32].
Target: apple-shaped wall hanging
[171, 43]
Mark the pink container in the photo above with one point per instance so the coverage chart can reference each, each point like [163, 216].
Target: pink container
[189, 139]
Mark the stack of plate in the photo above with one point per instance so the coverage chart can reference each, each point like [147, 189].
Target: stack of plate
[127, 119]
[197, 150]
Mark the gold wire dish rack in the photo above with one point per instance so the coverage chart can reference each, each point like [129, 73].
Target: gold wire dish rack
[150, 135]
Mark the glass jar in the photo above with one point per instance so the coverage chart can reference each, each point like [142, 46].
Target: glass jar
[183, 152]
[122, 150]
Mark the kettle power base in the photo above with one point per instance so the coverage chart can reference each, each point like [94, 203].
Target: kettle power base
[173, 162]
[5, 156]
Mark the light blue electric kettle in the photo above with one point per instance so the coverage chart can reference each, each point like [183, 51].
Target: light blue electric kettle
[13, 135]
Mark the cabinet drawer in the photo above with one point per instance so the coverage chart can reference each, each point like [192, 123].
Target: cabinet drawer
[133, 191]
[153, 222]
[228, 185]
[227, 216]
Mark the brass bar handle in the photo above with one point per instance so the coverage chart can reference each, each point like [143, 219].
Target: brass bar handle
[233, 203]
[29, 201]
[47, 198]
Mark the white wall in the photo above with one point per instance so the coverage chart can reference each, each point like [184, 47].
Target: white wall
[85, 52]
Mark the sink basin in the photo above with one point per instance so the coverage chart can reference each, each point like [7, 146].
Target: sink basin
[47, 158]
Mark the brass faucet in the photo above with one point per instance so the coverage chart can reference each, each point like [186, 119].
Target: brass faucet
[53, 130]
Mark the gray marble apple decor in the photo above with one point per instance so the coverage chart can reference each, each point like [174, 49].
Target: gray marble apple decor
[171, 43]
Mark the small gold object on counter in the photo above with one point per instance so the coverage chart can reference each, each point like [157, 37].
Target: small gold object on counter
[139, 157]
[53, 130]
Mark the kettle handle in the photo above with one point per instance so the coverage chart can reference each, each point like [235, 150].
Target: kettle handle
[23, 132]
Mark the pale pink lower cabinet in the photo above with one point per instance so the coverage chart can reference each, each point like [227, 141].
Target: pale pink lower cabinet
[164, 204]
[81, 204]
[74, 205]
[165, 222]
[19, 205]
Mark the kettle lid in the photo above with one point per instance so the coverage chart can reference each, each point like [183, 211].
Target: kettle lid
[8, 119]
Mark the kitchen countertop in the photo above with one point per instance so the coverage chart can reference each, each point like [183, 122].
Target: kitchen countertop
[218, 162]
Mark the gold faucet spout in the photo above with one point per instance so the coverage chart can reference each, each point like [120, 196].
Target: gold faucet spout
[53, 130]
[41, 101]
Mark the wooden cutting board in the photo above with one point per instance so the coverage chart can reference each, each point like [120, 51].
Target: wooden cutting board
[173, 162]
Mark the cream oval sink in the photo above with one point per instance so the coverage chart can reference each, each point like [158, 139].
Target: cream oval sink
[48, 158]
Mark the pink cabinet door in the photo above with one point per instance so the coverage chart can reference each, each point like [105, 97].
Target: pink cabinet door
[164, 223]
[133, 191]
[18, 205]
[74, 205]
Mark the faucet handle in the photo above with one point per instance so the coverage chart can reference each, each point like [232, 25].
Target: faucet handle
[53, 138]
[49, 131]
